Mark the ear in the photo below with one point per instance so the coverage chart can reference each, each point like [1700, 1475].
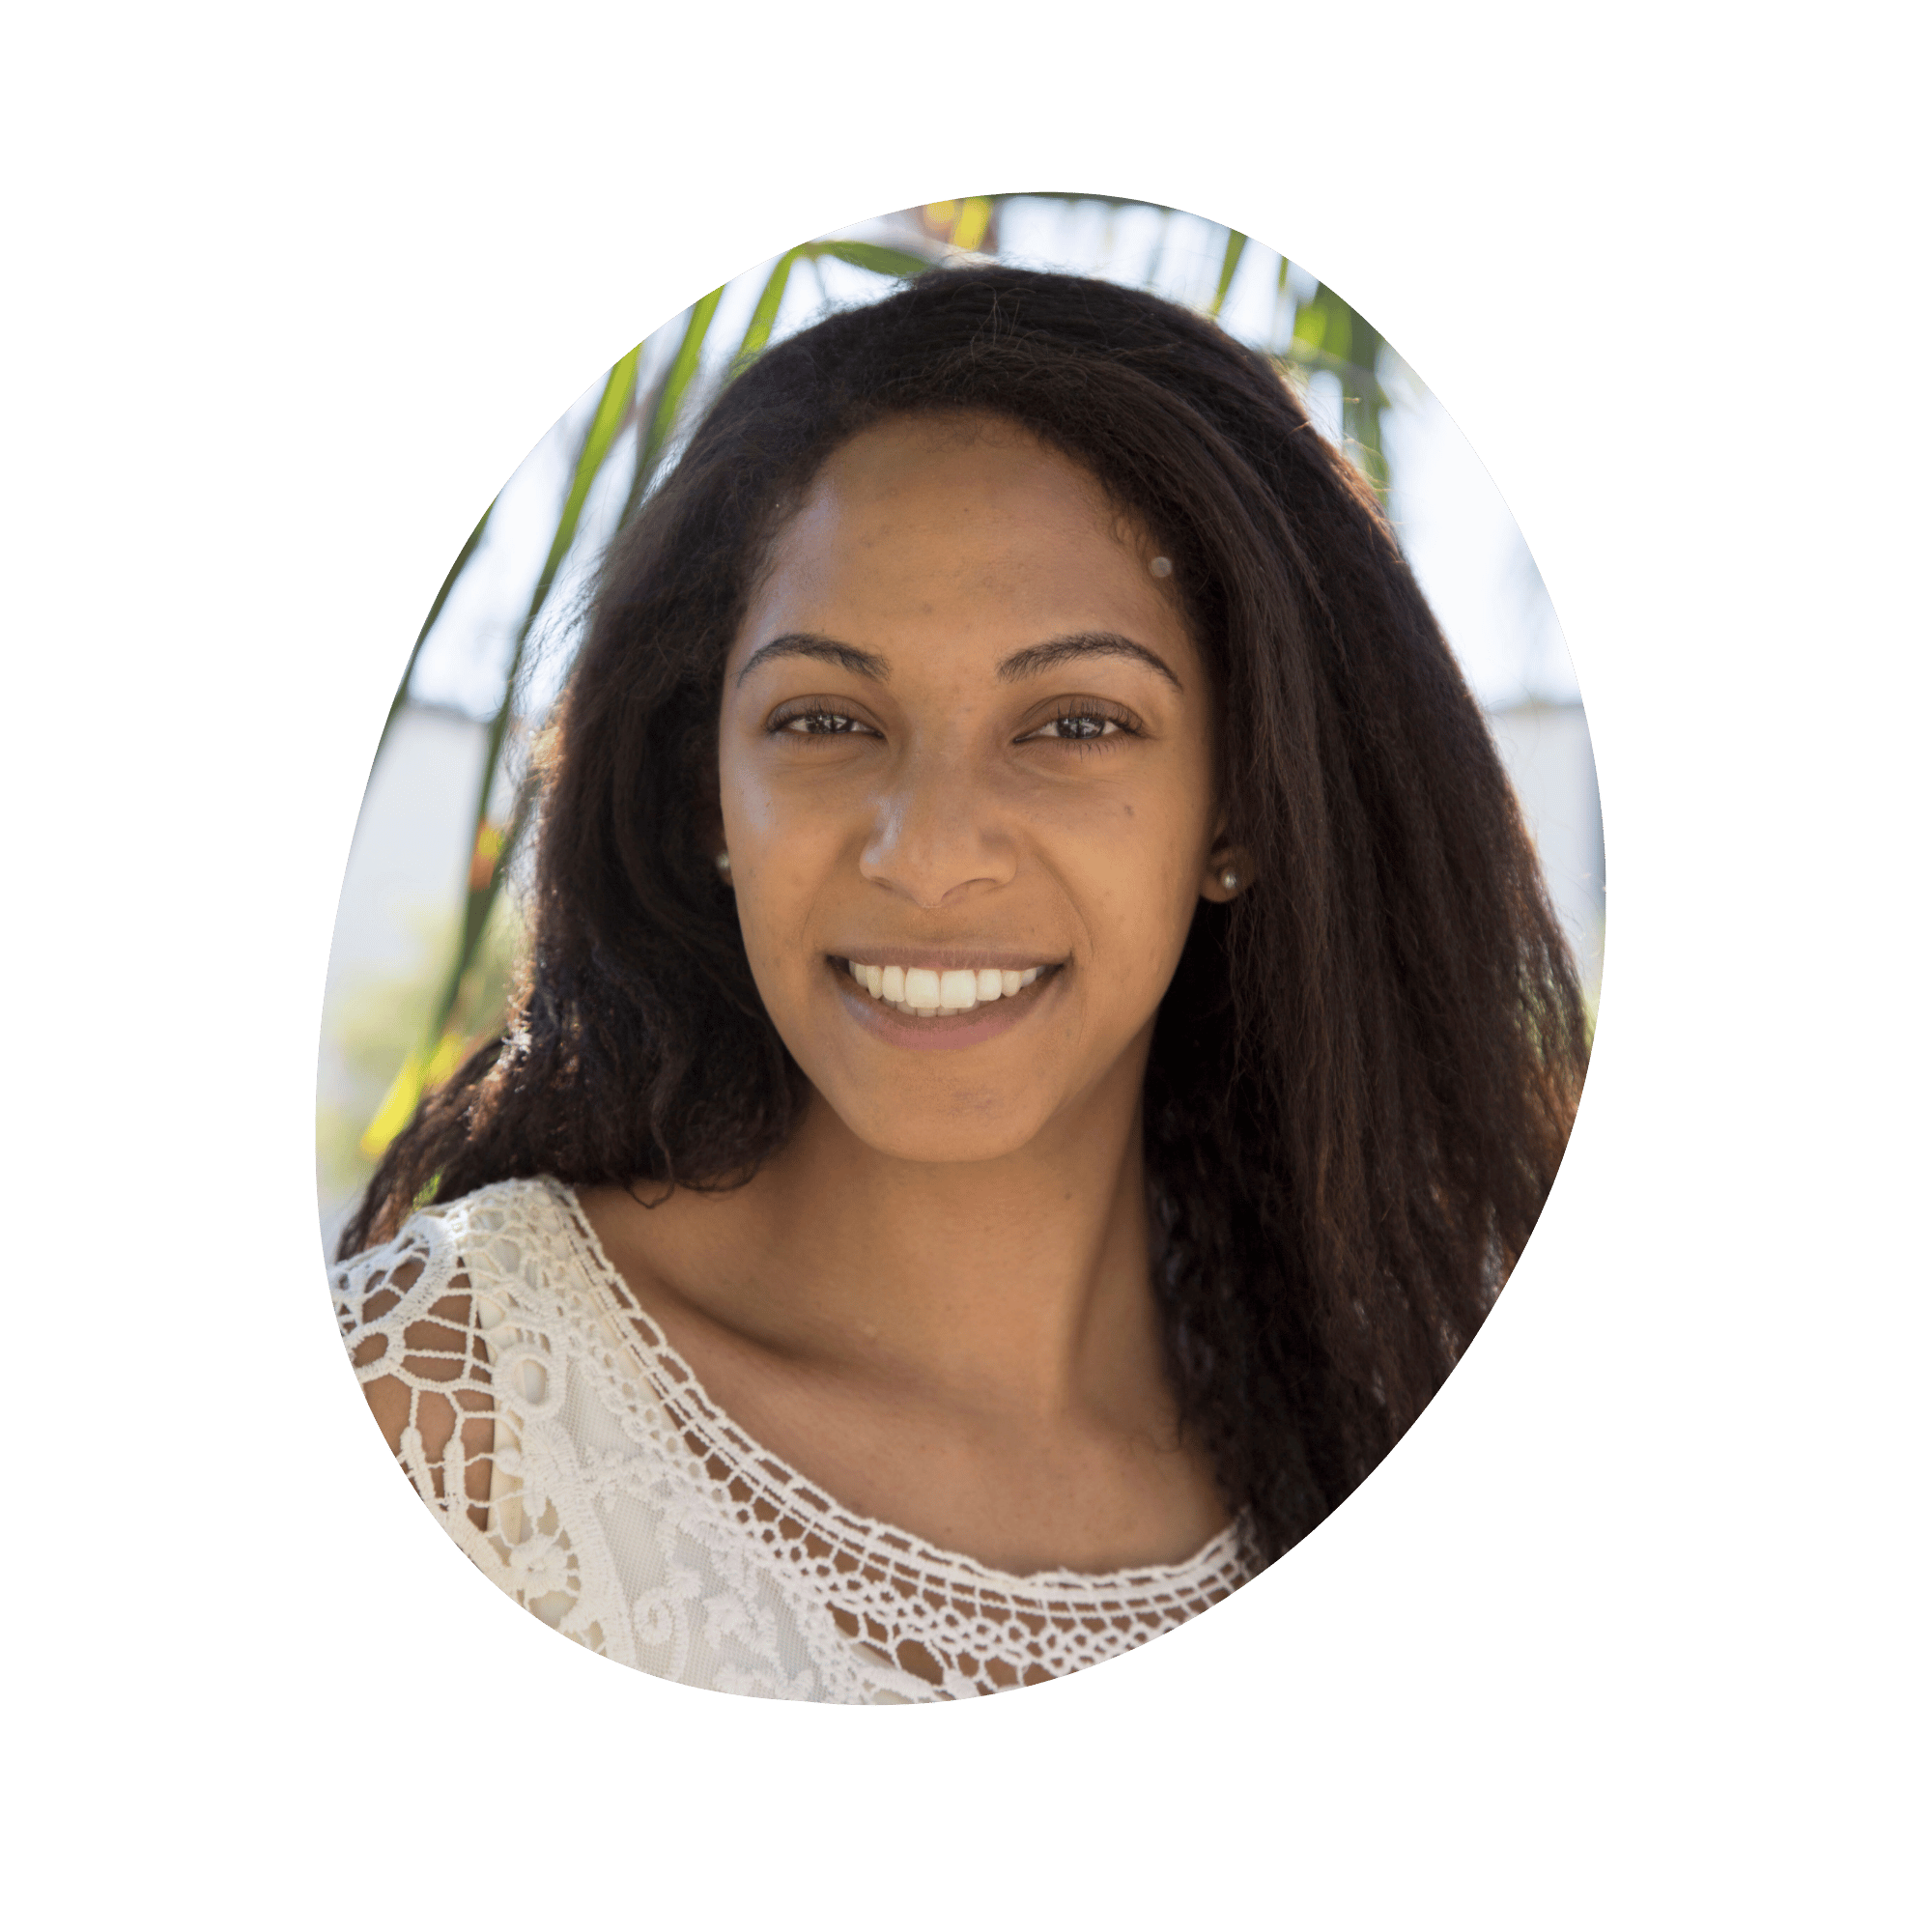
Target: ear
[711, 837]
[1226, 860]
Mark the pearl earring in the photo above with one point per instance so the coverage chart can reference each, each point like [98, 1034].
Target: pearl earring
[724, 865]
[1229, 880]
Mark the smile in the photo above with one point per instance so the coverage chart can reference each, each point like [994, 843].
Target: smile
[929, 992]
[943, 1003]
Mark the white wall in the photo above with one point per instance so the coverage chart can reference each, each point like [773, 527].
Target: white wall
[1547, 750]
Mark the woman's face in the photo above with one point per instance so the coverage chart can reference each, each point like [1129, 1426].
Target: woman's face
[965, 738]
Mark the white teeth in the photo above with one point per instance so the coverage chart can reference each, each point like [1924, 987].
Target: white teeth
[930, 991]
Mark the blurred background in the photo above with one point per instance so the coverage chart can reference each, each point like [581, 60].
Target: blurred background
[428, 927]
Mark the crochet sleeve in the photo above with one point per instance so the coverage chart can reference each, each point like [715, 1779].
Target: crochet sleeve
[410, 1324]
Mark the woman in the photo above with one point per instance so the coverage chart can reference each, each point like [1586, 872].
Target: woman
[1043, 1038]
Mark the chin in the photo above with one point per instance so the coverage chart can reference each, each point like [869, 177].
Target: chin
[938, 1135]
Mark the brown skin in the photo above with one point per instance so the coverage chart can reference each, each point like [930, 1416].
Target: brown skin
[934, 1302]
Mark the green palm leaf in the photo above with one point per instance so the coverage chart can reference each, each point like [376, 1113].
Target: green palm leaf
[765, 312]
[491, 851]
[456, 570]
[677, 378]
[882, 261]
[1231, 259]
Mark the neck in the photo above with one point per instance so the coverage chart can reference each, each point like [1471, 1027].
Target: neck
[1018, 1285]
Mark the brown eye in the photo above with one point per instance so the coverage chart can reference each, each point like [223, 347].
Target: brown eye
[1083, 726]
[821, 722]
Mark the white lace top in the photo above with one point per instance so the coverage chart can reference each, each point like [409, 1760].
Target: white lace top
[627, 1510]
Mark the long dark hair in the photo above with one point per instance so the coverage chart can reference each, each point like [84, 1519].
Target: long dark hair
[1363, 1077]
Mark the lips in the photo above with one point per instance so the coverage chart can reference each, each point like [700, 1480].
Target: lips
[953, 1001]
[939, 991]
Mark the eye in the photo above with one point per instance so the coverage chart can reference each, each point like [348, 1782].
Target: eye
[1084, 722]
[818, 720]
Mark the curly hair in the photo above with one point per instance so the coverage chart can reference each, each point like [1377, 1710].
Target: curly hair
[1363, 1076]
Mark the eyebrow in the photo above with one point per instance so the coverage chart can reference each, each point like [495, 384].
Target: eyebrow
[803, 645]
[1037, 658]
[1022, 664]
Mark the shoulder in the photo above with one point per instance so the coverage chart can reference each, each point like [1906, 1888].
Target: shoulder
[412, 1311]
[482, 1237]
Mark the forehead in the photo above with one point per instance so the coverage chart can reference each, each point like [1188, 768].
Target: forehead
[957, 523]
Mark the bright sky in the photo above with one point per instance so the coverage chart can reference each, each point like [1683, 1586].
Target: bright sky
[1458, 535]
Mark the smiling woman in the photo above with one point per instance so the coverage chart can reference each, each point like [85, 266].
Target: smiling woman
[1043, 1038]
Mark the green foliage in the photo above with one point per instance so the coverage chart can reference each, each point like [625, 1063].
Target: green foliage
[456, 570]
[379, 1020]
[1328, 335]
[1231, 259]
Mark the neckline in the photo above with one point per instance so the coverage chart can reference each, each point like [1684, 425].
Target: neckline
[676, 1385]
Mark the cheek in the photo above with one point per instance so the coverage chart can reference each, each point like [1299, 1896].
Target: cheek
[746, 803]
[780, 808]
[1139, 880]
[783, 853]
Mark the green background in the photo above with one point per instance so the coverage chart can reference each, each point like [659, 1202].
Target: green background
[1618, 1635]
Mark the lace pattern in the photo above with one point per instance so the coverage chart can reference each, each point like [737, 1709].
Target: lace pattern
[626, 1511]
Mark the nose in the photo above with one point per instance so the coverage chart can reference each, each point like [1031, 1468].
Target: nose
[939, 836]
